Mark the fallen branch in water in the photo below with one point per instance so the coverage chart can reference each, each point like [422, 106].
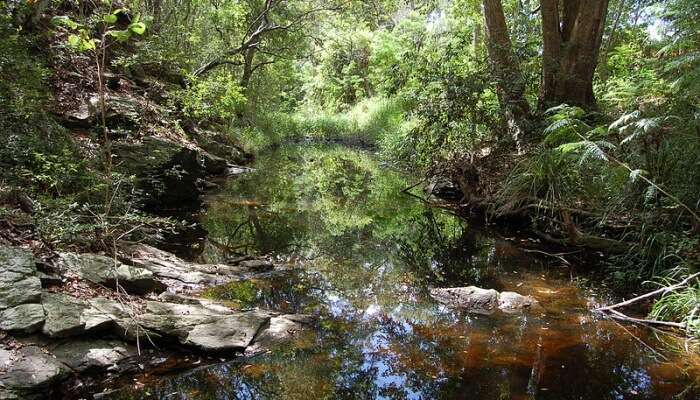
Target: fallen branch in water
[614, 313]
[661, 291]
[559, 256]
[623, 317]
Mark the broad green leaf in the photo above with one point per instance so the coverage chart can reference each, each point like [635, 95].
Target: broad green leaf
[120, 36]
[138, 28]
[110, 18]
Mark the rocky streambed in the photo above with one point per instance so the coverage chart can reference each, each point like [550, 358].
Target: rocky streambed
[119, 309]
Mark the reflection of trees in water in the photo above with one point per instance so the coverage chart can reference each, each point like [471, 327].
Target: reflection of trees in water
[447, 356]
[443, 249]
[327, 200]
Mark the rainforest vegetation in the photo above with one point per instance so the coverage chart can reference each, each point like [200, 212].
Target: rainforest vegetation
[577, 121]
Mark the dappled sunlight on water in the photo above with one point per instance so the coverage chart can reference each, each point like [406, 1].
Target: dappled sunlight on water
[366, 256]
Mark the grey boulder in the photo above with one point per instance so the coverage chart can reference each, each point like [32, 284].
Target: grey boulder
[63, 315]
[18, 281]
[108, 272]
[472, 298]
[24, 371]
[22, 319]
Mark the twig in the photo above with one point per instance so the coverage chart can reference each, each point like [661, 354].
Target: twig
[558, 256]
[412, 186]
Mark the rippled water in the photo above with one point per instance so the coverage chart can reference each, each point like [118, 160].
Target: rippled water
[367, 254]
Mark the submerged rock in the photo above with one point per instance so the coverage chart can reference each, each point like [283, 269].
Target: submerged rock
[483, 301]
[281, 329]
[514, 302]
[107, 271]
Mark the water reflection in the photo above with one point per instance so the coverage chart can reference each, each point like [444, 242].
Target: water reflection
[369, 253]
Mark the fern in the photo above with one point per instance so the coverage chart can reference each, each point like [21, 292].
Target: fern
[587, 150]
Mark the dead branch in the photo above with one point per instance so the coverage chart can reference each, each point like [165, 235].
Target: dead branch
[661, 291]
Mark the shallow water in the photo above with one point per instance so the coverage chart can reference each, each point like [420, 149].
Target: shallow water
[367, 255]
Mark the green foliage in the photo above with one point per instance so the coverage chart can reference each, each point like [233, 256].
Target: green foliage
[682, 306]
[217, 97]
[81, 41]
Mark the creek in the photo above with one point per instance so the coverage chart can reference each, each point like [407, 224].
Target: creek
[366, 256]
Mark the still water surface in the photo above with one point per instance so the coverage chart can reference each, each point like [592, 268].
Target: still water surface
[367, 255]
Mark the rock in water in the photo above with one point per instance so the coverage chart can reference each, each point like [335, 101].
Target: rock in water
[483, 301]
[513, 302]
[472, 298]
[281, 329]
[85, 354]
[180, 275]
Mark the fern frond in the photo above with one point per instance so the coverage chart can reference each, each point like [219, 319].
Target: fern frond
[625, 120]
[558, 125]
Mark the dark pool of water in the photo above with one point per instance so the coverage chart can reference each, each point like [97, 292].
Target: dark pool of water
[367, 254]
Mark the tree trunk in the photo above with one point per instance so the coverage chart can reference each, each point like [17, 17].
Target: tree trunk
[247, 68]
[572, 32]
[510, 85]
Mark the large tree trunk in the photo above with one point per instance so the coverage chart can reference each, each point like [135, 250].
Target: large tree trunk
[510, 85]
[572, 31]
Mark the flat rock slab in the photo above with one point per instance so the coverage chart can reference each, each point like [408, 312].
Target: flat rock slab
[281, 329]
[96, 354]
[203, 327]
[19, 283]
[26, 370]
[483, 301]
[180, 275]
[22, 319]
[108, 272]
[201, 324]
[63, 315]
